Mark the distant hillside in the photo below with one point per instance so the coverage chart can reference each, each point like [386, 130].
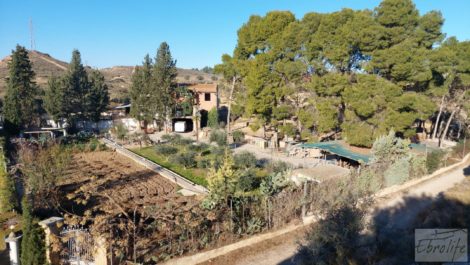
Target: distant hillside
[118, 78]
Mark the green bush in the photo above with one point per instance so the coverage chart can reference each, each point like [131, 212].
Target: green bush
[277, 166]
[213, 118]
[248, 180]
[368, 182]
[187, 159]
[398, 172]
[238, 137]
[165, 149]
[288, 129]
[204, 163]
[418, 166]
[199, 148]
[434, 160]
[93, 144]
[245, 160]
[219, 137]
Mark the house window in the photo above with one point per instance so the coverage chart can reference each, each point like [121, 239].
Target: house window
[207, 96]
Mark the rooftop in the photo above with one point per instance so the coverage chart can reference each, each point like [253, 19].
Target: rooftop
[340, 149]
[204, 88]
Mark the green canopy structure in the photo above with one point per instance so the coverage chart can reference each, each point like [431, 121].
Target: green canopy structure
[337, 148]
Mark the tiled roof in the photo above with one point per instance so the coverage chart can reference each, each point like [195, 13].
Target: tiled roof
[204, 88]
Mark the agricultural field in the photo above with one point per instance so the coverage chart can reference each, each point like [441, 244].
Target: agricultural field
[112, 195]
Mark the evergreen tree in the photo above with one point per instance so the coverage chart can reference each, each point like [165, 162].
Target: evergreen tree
[19, 109]
[97, 97]
[55, 99]
[7, 187]
[77, 95]
[142, 92]
[164, 75]
[33, 251]
[77, 86]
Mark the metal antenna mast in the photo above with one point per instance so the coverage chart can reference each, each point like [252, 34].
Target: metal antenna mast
[33, 43]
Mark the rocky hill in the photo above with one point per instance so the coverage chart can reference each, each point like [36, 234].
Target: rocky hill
[118, 78]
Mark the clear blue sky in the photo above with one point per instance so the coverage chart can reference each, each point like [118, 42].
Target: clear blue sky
[121, 32]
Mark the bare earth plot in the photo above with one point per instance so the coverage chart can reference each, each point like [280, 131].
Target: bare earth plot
[120, 179]
[103, 190]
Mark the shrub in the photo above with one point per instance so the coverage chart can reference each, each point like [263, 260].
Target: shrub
[164, 149]
[248, 181]
[7, 187]
[417, 166]
[238, 137]
[245, 160]
[334, 239]
[187, 159]
[278, 166]
[93, 144]
[219, 137]
[368, 182]
[121, 131]
[288, 129]
[198, 147]
[213, 118]
[459, 148]
[204, 163]
[398, 172]
[434, 160]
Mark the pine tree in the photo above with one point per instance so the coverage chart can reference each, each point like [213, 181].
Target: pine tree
[33, 251]
[77, 95]
[164, 75]
[77, 85]
[142, 91]
[19, 109]
[97, 97]
[55, 99]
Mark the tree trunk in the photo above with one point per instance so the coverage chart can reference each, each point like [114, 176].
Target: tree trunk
[234, 79]
[443, 136]
[436, 124]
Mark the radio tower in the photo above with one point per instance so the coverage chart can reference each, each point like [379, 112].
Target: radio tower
[33, 43]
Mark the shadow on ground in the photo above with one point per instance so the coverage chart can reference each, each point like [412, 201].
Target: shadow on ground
[390, 235]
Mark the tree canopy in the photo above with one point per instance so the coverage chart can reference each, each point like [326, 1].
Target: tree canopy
[20, 109]
[358, 72]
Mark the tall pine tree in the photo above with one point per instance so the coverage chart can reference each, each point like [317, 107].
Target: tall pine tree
[77, 95]
[164, 75]
[33, 251]
[142, 91]
[97, 97]
[55, 100]
[19, 109]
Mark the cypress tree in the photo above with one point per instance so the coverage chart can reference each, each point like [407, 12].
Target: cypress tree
[164, 77]
[33, 251]
[19, 109]
[7, 187]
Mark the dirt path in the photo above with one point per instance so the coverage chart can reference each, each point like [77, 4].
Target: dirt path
[281, 249]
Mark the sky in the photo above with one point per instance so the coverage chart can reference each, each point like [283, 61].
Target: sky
[122, 32]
